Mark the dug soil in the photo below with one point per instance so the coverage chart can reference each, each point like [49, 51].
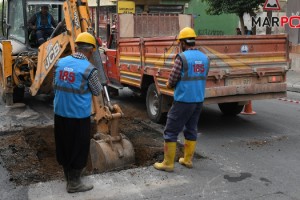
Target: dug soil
[29, 155]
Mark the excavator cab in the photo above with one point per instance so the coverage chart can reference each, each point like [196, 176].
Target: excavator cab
[16, 15]
[22, 47]
[54, 10]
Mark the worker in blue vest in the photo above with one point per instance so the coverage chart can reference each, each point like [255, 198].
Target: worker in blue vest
[75, 81]
[188, 78]
[43, 24]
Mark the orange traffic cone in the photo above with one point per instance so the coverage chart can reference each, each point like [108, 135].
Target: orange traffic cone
[248, 109]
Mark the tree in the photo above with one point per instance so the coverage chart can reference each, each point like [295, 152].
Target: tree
[238, 7]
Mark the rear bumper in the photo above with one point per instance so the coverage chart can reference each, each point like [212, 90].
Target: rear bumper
[245, 92]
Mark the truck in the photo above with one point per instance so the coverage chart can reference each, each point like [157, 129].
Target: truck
[243, 68]
[27, 66]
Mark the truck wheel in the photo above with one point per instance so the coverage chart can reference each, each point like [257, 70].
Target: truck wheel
[231, 108]
[154, 105]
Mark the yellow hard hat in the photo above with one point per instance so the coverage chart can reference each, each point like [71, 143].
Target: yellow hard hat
[186, 32]
[86, 37]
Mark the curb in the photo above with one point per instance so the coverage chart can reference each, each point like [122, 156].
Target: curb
[293, 88]
[289, 100]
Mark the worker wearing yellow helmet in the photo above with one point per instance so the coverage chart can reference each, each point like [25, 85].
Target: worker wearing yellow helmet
[188, 78]
[86, 39]
[75, 81]
[187, 33]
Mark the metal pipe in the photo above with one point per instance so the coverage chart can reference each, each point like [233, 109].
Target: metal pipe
[107, 98]
[97, 20]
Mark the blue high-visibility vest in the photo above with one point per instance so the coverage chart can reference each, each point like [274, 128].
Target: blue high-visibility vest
[191, 87]
[39, 19]
[72, 95]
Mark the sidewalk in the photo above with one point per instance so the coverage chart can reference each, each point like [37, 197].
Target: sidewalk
[293, 75]
[293, 81]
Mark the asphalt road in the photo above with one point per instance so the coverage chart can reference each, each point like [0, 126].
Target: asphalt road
[245, 157]
[257, 155]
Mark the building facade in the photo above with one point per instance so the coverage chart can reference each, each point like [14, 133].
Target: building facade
[293, 9]
[203, 24]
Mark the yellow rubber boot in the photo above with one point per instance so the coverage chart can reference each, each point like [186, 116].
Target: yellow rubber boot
[169, 156]
[189, 149]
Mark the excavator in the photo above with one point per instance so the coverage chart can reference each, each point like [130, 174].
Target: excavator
[27, 66]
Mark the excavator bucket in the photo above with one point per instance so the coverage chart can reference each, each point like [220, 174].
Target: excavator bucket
[109, 149]
[107, 156]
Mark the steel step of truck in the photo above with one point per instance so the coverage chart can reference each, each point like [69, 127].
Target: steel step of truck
[116, 85]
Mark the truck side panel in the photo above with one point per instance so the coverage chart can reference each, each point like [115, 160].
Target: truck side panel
[130, 62]
[242, 68]
[247, 68]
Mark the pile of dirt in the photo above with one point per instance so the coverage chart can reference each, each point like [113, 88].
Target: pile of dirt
[29, 155]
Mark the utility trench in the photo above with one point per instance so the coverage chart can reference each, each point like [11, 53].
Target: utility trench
[29, 154]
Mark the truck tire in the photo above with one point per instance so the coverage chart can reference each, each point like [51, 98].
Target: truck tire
[232, 108]
[154, 105]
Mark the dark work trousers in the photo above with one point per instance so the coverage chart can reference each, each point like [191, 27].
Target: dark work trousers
[43, 34]
[72, 140]
[182, 117]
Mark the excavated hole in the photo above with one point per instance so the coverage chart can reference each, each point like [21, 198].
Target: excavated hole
[29, 155]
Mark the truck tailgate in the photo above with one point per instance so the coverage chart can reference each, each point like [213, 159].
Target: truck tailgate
[242, 68]
[245, 67]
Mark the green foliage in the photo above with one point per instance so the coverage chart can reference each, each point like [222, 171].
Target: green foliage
[238, 7]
